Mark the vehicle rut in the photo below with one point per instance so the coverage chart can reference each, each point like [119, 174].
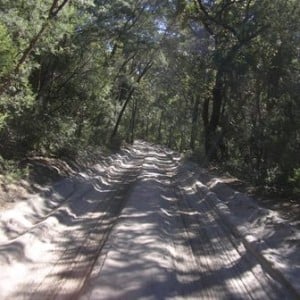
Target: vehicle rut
[140, 226]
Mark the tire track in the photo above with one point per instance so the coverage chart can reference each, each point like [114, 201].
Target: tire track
[224, 262]
[146, 228]
[69, 271]
[87, 252]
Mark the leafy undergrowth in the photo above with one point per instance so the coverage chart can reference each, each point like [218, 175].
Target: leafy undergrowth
[20, 179]
[288, 204]
[284, 200]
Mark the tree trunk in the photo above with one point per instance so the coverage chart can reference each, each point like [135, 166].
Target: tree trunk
[132, 123]
[147, 128]
[205, 118]
[159, 137]
[211, 123]
[115, 130]
[53, 11]
[182, 141]
[195, 116]
[129, 95]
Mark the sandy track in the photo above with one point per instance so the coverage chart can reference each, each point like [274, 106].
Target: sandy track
[170, 242]
[137, 228]
[53, 257]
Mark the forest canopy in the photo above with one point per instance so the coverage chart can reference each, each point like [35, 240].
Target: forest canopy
[218, 79]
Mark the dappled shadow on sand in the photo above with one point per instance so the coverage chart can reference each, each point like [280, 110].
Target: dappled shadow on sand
[169, 245]
[52, 253]
[272, 239]
[168, 241]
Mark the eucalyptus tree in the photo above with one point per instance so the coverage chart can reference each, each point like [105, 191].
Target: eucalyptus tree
[33, 28]
[245, 83]
[220, 75]
[254, 104]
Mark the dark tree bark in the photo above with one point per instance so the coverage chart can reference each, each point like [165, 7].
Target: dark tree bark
[215, 25]
[127, 100]
[132, 122]
[205, 119]
[195, 116]
[115, 130]
[211, 137]
[53, 12]
[159, 136]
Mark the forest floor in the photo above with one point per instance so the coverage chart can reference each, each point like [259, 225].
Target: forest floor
[288, 206]
[142, 224]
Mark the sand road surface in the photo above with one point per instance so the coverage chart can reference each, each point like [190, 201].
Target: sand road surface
[139, 225]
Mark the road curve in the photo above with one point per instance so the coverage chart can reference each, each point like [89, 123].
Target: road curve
[136, 228]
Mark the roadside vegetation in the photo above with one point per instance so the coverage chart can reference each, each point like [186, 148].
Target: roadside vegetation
[218, 80]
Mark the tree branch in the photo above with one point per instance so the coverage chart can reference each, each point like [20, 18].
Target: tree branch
[52, 13]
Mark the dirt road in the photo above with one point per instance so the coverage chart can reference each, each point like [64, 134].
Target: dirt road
[136, 226]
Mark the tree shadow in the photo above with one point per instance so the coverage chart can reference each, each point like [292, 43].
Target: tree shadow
[69, 225]
[169, 241]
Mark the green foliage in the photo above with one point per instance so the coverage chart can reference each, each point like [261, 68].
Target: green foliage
[223, 77]
[295, 180]
[7, 52]
[11, 170]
